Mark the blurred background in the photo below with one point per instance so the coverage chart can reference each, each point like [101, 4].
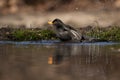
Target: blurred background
[32, 6]
[79, 13]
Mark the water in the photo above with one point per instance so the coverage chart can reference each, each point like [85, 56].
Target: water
[59, 61]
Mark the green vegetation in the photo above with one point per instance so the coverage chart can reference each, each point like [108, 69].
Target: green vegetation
[32, 34]
[109, 33]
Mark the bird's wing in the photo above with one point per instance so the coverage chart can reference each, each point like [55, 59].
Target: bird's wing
[75, 35]
[69, 27]
[64, 35]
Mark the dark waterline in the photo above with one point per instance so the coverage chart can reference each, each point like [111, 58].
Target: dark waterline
[53, 60]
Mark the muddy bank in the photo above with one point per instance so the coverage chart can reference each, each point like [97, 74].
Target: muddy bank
[111, 33]
[25, 34]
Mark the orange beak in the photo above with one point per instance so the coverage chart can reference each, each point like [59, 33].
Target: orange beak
[50, 23]
[50, 60]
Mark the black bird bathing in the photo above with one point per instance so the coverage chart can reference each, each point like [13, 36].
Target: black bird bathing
[67, 33]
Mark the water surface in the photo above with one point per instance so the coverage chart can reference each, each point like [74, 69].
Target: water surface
[59, 61]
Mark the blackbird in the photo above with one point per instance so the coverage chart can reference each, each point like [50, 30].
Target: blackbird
[65, 32]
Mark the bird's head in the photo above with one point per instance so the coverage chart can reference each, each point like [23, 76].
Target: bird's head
[56, 22]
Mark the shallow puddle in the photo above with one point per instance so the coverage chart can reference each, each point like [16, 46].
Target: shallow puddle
[59, 61]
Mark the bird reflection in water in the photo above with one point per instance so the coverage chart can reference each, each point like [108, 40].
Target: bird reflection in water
[86, 62]
[61, 53]
[56, 59]
[84, 54]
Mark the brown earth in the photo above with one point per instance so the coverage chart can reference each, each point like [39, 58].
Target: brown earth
[31, 6]
[77, 13]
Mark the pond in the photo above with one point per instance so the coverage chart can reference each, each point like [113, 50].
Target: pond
[49, 60]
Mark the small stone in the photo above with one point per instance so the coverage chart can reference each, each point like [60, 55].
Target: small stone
[7, 33]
